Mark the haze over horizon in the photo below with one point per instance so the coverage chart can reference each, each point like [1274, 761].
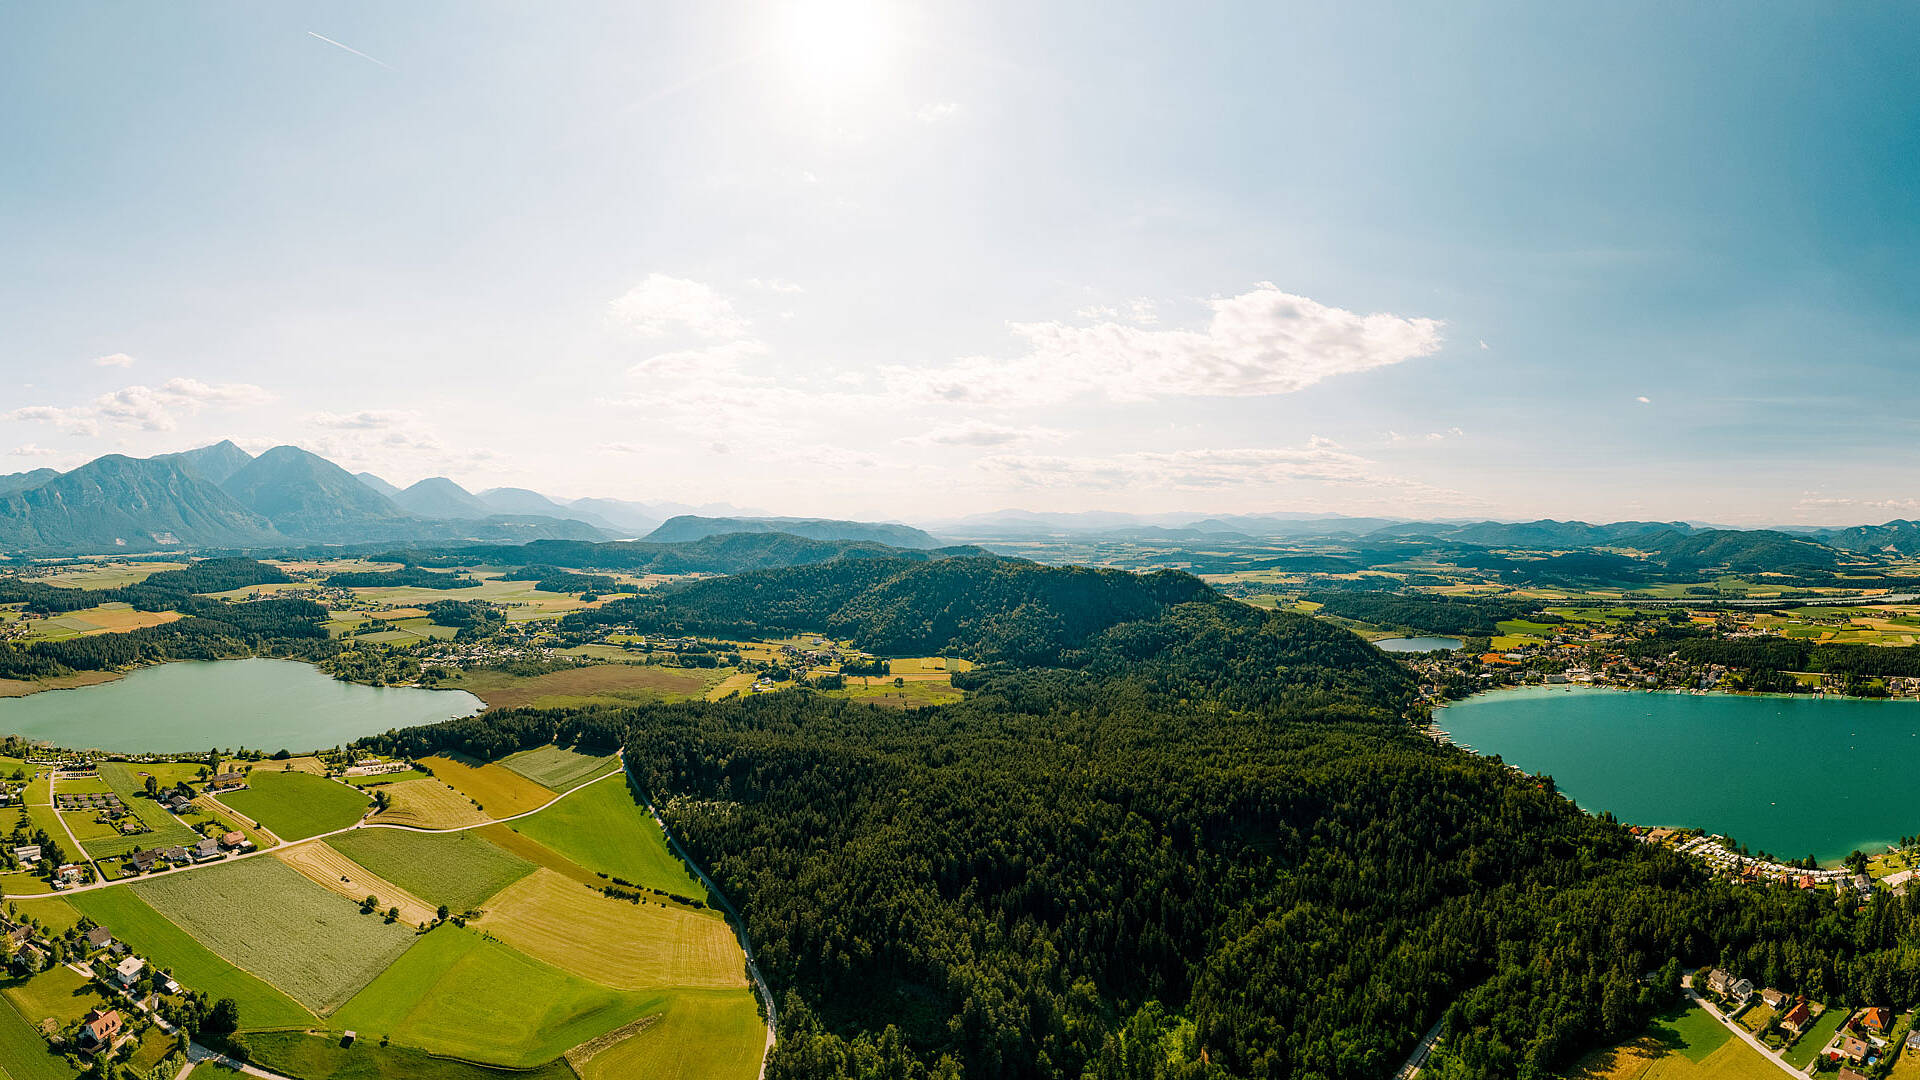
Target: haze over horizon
[915, 261]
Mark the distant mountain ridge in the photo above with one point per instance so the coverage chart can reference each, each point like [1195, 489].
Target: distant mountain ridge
[118, 503]
[687, 527]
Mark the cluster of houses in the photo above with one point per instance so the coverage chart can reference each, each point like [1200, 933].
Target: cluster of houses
[207, 850]
[1713, 850]
[1858, 1043]
[64, 875]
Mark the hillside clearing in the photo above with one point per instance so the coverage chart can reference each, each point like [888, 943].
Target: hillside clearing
[558, 768]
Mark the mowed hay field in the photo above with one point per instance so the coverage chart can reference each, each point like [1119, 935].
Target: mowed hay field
[111, 618]
[459, 994]
[296, 805]
[336, 873]
[1689, 1045]
[296, 1053]
[165, 945]
[459, 869]
[500, 792]
[266, 918]
[558, 768]
[702, 1035]
[615, 942]
[603, 828]
[595, 684]
[428, 804]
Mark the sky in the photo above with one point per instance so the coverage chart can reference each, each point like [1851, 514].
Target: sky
[913, 261]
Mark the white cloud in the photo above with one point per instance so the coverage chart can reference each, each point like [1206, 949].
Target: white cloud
[712, 360]
[777, 285]
[364, 420]
[1320, 462]
[983, 434]
[147, 407]
[662, 305]
[1257, 343]
[31, 450]
[1098, 311]
[1644, 400]
[118, 359]
[936, 112]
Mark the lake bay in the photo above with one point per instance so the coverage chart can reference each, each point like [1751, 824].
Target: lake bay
[194, 705]
[1791, 775]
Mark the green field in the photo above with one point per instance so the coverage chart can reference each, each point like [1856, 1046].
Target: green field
[263, 916]
[459, 869]
[296, 805]
[173, 949]
[604, 829]
[54, 914]
[306, 1057]
[132, 789]
[558, 768]
[458, 993]
[704, 1035]
[56, 992]
[24, 1055]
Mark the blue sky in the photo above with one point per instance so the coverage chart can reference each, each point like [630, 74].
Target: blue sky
[917, 260]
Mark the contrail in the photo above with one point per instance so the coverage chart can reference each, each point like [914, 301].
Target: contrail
[350, 49]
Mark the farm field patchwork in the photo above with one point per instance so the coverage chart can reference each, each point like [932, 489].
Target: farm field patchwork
[603, 828]
[149, 934]
[1687, 1046]
[558, 768]
[615, 942]
[428, 803]
[111, 618]
[702, 1035]
[459, 869]
[336, 873]
[500, 792]
[266, 918]
[537, 853]
[296, 805]
[460, 994]
[596, 684]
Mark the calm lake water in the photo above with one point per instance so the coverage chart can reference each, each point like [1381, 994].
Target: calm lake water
[265, 704]
[1418, 644]
[1793, 776]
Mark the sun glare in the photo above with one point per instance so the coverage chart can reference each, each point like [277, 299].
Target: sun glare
[838, 48]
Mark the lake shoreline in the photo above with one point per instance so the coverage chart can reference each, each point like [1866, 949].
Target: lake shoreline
[1794, 774]
[186, 706]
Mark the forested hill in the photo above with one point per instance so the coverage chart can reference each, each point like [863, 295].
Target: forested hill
[729, 554]
[981, 607]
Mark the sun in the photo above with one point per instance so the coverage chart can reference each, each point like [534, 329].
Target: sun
[837, 48]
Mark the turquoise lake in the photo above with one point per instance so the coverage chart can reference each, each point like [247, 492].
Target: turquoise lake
[1789, 775]
[258, 703]
[1418, 644]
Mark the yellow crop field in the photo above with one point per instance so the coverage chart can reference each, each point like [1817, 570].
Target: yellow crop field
[501, 792]
[428, 804]
[615, 943]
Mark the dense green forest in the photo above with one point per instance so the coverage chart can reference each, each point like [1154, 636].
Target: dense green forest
[1418, 611]
[731, 553]
[1189, 840]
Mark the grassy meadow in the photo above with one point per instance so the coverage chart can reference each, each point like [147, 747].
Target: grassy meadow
[296, 805]
[311, 1057]
[500, 792]
[598, 684]
[460, 994]
[632, 946]
[702, 1035]
[428, 803]
[603, 828]
[459, 870]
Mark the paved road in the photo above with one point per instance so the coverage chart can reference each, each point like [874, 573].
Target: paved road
[1418, 1059]
[1758, 1046]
